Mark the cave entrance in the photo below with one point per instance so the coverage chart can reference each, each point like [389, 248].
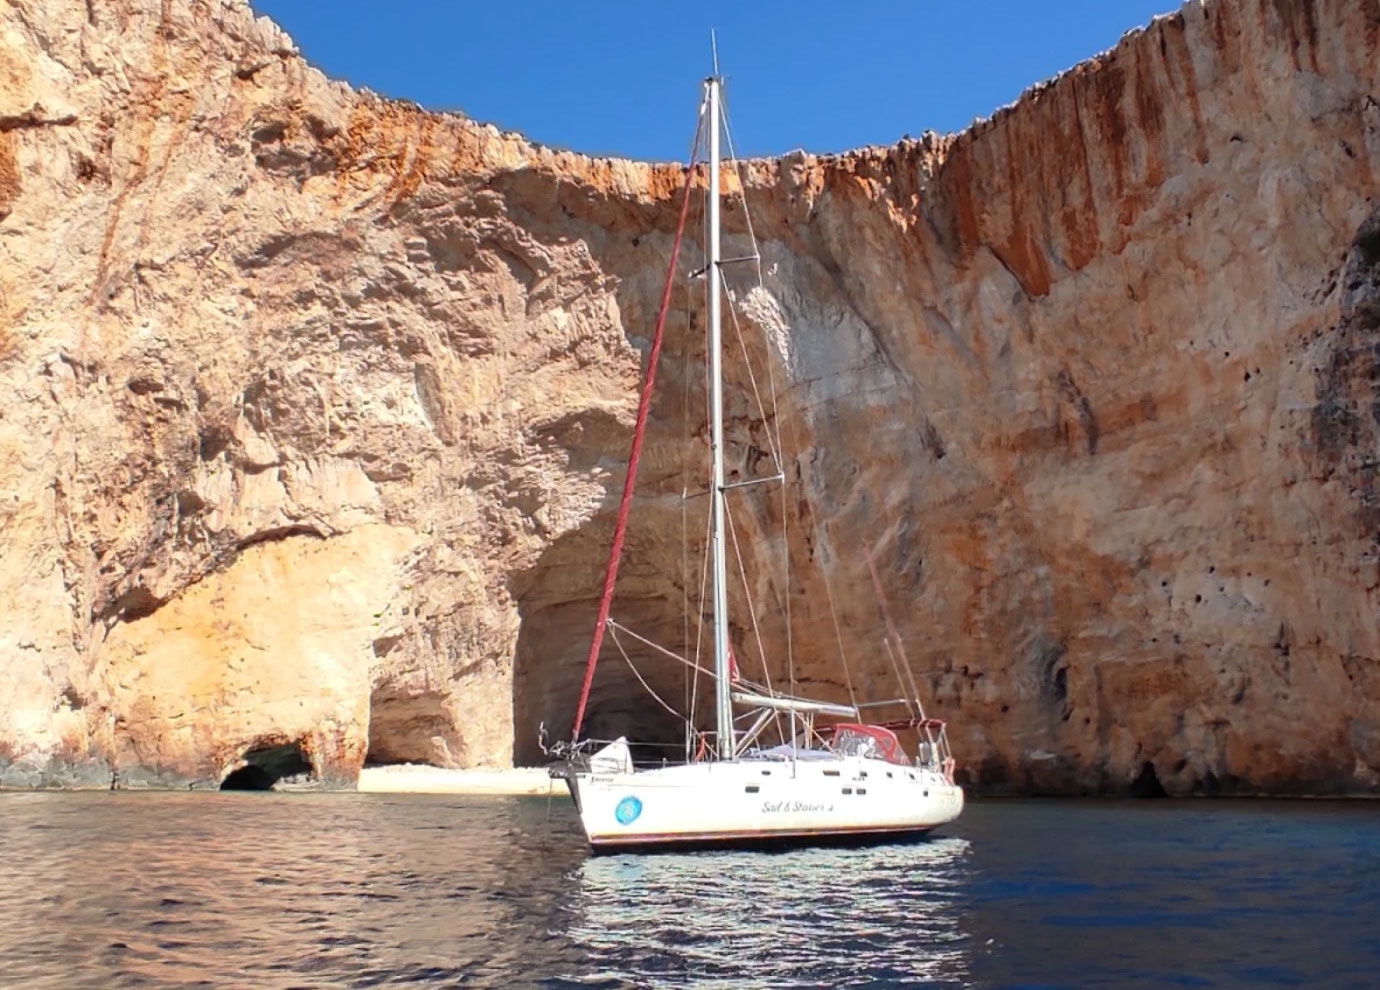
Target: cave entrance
[411, 727]
[654, 735]
[264, 766]
[1147, 784]
[547, 676]
[557, 604]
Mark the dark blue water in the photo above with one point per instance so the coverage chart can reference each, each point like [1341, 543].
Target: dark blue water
[280, 891]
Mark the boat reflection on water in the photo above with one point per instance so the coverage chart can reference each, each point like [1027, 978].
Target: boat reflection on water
[885, 915]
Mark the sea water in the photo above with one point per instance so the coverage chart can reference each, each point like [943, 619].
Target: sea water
[277, 891]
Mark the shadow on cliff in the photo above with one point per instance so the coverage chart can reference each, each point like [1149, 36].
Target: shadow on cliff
[558, 601]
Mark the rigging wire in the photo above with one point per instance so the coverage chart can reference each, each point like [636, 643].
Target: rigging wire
[679, 659]
[613, 633]
[893, 633]
[692, 680]
[774, 424]
[752, 380]
[639, 431]
[709, 515]
[699, 615]
[802, 472]
[828, 588]
[752, 612]
[778, 462]
[742, 187]
[896, 669]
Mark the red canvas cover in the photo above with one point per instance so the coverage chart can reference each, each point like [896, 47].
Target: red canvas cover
[848, 736]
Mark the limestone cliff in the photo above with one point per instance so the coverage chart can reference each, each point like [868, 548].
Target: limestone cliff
[318, 404]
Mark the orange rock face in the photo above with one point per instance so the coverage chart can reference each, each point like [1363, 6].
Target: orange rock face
[318, 405]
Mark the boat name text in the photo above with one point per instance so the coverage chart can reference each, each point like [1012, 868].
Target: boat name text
[768, 807]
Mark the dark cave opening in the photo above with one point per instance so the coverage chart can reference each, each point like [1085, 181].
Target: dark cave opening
[654, 735]
[619, 706]
[264, 766]
[1147, 784]
[552, 648]
[547, 690]
[248, 778]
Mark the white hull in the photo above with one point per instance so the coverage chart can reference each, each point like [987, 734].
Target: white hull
[762, 801]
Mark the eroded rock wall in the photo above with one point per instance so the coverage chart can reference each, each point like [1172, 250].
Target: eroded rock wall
[319, 405]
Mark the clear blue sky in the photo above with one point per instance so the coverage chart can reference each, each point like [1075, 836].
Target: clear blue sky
[621, 77]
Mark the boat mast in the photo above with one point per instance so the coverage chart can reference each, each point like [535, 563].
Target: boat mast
[724, 703]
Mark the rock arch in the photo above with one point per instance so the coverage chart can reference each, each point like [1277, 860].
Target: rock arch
[264, 764]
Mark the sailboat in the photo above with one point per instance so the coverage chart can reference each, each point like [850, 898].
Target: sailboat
[832, 778]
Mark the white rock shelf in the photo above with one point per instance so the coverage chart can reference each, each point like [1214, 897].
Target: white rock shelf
[412, 778]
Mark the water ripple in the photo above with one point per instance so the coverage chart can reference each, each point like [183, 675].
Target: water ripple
[306, 891]
[801, 918]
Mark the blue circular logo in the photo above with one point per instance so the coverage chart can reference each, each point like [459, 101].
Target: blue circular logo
[627, 811]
